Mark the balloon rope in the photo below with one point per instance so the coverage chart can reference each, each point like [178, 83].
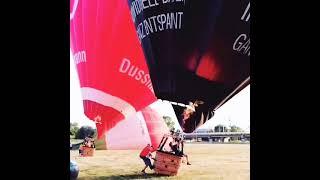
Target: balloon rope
[163, 144]
[179, 104]
[182, 144]
[232, 93]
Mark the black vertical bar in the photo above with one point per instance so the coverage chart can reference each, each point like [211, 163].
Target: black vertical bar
[163, 144]
[182, 146]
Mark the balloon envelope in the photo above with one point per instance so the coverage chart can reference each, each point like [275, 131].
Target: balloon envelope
[195, 50]
[146, 127]
[113, 74]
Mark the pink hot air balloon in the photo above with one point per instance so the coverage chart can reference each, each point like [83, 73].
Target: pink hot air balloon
[146, 127]
[114, 78]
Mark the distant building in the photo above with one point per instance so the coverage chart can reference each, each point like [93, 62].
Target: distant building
[220, 128]
[202, 131]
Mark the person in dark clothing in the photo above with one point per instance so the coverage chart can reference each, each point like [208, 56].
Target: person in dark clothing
[176, 150]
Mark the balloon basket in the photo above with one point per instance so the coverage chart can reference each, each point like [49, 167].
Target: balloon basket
[167, 163]
[87, 151]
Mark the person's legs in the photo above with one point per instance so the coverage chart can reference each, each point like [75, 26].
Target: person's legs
[147, 163]
[143, 170]
[188, 163]
[152, 167]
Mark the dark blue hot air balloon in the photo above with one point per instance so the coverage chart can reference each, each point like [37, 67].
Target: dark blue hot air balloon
[196, 51]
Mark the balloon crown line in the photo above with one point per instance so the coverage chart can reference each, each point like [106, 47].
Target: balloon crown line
[192, 105]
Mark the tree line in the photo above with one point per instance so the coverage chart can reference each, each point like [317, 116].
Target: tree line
[82, 132]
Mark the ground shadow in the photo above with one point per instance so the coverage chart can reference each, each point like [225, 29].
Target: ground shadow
[126, 176]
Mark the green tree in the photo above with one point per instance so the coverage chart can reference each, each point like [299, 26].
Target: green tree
[74, 128]
[235, 129]
[86, 131]
[170, 123]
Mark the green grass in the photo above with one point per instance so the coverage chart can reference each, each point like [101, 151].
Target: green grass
[100, 144]
[76, 141]
[209, 161]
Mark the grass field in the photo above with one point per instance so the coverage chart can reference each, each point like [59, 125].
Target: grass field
[209, 161]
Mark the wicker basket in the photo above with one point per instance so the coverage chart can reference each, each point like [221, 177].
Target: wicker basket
[167, 163]
[87, 151]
